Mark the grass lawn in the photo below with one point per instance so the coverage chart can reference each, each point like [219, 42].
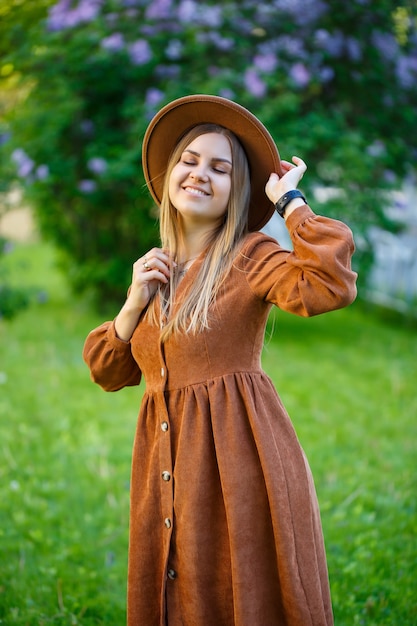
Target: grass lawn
[348, 379]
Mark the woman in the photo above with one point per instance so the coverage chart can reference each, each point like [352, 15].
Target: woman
[224, 527]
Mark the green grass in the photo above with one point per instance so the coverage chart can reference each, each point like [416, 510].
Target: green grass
[348, 379]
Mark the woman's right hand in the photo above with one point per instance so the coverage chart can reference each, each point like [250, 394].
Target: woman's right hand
[148, 272]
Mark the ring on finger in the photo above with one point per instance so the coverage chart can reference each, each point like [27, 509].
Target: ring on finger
[147, 266]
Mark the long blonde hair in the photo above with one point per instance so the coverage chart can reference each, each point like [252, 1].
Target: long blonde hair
[192, 315]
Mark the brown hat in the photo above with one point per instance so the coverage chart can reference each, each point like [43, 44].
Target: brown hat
[179, 116]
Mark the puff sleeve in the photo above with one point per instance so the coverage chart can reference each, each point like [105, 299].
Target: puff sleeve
[315, 277]
[110, 359]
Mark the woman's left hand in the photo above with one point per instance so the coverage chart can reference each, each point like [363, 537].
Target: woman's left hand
[276, 187]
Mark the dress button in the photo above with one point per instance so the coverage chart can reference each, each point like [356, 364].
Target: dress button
[172, 574]
[166, 476]
[167, 522]
[162, 372]
[164, 426]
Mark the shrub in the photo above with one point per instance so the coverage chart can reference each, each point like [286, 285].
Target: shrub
[334, 83]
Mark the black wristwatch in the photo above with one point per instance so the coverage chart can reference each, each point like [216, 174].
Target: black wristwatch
[281, 205]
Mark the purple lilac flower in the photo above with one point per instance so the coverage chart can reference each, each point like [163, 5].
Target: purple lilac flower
[254, 84]
[87, 186]
[87, 127]
[23, 162]
[187, 11]
[266, 62]
[18, 155]
[97, 165]
[389, 177]
[376, 149]
[300, 74]
[213, 71]
[174, 49]
[140, 52]
[221, 43]
[302, 11]
[58, 15]
[88, 10]
[292, 46]
[227, 93]
[210, 16]
[353, 49]
[386, 45]
[149, 30]
[167, 71]
[62, 16]
[406, 71]
[42, 172]
[153, 97]
[326, 74]
[159, 9]
[4, 138]
[333, 43]
[111, 18]
[309, 11]
[113, 43]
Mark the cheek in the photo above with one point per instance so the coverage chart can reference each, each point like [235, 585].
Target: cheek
[226, 189]
[173, 181]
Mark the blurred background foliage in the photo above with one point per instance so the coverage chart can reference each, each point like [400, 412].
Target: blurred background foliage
[335, 82]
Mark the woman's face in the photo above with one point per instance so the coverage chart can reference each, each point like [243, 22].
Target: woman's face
[200, 183]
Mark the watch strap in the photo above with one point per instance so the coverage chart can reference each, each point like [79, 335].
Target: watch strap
[282, 203]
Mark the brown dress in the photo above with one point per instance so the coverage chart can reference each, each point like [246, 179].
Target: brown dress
[225, 527]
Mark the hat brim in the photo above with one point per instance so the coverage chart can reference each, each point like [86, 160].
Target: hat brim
[179, 116]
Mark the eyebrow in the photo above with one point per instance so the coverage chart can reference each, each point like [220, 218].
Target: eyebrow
[218, 159]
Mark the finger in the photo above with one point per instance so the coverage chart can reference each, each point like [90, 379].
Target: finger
[156, 274]
[156, 258]
[286, 166]
[155, 255]
[143, 277]
[150, 268]
[299, 162]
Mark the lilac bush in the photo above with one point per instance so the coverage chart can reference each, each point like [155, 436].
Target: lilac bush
[335, 83]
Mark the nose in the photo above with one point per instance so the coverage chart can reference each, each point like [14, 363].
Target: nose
[199, 174]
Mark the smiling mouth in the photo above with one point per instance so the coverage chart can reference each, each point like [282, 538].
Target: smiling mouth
[195, 192]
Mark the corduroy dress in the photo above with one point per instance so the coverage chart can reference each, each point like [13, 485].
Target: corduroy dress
[224, 526]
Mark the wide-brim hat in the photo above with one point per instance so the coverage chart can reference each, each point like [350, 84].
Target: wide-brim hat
[176, 118]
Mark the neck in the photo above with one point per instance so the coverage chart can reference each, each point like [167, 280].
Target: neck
[194, 242]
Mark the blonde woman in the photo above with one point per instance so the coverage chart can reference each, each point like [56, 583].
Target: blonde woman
[224, 526]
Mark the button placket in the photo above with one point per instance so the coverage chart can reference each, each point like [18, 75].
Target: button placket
[165, 464]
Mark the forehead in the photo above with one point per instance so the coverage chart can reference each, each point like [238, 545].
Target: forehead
[211, 144]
